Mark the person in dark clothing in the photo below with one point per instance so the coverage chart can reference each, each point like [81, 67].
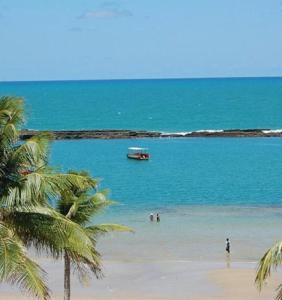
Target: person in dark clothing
[158, 218]
[227, 248]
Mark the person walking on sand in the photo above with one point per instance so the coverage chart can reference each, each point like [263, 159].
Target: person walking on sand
[227, 248]
[158, 218]
[151, 217]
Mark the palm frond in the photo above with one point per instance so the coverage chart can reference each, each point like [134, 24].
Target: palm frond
[96, 230]
[11, 110]
[270, 260]
[16, 268]
[48, 231]
[11, 116]
[40, 186]
[89, 206]
[84, 268]
[279, 292]
[33, 152]
[83, 207]
[9, 135]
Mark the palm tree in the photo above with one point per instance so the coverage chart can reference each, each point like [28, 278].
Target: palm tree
[270, 261]
[81, 206]
[27, 185]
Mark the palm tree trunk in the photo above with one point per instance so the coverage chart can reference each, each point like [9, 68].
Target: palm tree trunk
[67, 277]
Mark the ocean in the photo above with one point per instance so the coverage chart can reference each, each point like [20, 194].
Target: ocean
[205, 189]
[163, 105]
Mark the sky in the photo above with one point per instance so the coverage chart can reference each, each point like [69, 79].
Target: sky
[129, 39]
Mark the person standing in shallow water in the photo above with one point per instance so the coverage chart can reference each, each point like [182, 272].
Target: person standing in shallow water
[151, 217]
[227, 248]
[158, 218]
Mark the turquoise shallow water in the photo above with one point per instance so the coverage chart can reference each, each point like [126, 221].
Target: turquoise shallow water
[165, 105]
[195, 171]
[204, 189]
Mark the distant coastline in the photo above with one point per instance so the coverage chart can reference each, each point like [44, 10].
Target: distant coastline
[135, 134]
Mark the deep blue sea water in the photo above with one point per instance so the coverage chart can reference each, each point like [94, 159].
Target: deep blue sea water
[204, 189]
[165, 105]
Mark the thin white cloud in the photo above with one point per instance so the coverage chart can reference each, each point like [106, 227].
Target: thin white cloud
[110, 4]
[75, 29]
[106, 13]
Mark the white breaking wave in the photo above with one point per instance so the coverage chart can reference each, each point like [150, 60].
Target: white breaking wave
[177, 133]
[272, 131]
[209, 130]
[183, 133]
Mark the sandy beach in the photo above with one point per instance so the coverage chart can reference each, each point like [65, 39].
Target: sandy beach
[162, 280]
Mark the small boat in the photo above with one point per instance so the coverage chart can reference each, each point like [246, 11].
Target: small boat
[138, 153]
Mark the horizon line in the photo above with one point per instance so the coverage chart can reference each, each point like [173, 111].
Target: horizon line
[144, 79]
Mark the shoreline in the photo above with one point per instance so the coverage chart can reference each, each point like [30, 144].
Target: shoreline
[160, 281]
[138, 134]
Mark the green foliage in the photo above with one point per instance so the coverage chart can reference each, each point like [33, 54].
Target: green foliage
[101, 229]
[17, 268]
[27, 186]
[271, 260]
[80, 205]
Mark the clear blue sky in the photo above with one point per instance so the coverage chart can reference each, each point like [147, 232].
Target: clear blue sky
[107, 39]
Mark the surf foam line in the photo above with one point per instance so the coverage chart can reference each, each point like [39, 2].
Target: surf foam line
[272, 131]
[135, 134]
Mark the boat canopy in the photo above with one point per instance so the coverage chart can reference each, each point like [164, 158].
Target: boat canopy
[137, 149]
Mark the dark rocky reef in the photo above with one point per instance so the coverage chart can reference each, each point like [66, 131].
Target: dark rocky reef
[132, 134]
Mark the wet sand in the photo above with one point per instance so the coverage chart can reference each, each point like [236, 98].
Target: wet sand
[234, 284]
[161, 280]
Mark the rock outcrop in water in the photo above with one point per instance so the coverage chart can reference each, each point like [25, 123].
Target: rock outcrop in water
[134, 134]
